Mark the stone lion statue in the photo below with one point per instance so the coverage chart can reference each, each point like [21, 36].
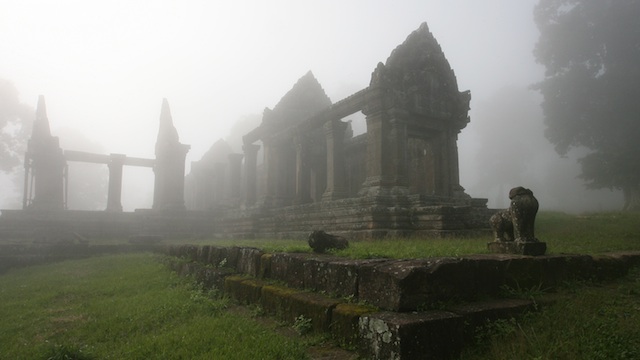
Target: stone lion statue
[517, 222]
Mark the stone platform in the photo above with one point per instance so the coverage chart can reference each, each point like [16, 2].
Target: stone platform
[531, 248]
[404, 313]
[364, 217]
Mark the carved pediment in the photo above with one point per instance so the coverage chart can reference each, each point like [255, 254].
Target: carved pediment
[417, 78]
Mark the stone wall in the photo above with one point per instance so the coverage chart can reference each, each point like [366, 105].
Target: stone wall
[390, 309]
[70, 225]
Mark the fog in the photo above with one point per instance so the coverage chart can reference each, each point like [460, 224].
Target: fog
[104, 68]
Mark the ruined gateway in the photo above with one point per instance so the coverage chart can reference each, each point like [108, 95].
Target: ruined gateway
[399, 178]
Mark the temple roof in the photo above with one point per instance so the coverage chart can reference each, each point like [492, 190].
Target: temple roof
[304, 99]
[423, 80]
[420, 53]
[217, 153]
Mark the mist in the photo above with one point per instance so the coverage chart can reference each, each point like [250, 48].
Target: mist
[104, 69]
[507, 149]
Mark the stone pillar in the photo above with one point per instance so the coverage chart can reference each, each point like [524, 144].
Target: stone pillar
[336, 181]
[271, 173]
[199, 194]
[219, 176]
[303, 170]
[170, 164]
[47, 164]
[386, 148]
[169, 178]
[114, 194]
[235, 178]
[454, 167]
[250, 171]
[447, 175]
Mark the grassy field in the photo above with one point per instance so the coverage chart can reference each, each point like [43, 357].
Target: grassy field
[563, 233]
[125, 307]
[586, 321]
[133, 307]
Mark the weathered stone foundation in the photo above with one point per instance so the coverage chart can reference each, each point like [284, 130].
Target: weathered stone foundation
[400, 319]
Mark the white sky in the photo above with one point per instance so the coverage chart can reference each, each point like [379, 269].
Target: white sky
[104, 66]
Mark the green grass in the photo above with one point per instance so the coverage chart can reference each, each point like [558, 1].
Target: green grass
[591, 322]
[589, 233]
[124, 307]
[563, 233]
[133, 307]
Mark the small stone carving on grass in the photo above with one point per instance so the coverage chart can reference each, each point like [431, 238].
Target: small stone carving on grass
[320, 241]
[513, 228]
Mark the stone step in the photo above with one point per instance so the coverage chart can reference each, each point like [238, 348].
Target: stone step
[434, 334]
[408, 285]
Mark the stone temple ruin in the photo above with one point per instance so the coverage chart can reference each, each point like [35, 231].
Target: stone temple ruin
[46, 168]
[400, 177]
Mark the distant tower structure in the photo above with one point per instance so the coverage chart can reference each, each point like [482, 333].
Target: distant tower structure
[170, 165]
[44, 166]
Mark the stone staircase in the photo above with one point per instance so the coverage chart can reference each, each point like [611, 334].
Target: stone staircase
[389, 309]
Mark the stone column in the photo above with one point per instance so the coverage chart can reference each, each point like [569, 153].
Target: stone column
[169, 177]
[114, 195]
[235, 178]
[303, 170]
[47, 164]
[456, 190]
[386, 148]
[48, 171]
[250, 171]
[170, 164]
[271, 174]
[219, 176]
[336, 182]
[447, 176]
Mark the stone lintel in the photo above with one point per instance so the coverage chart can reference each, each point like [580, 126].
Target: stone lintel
[531, 248]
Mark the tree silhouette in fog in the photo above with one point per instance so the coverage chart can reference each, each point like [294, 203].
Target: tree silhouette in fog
[15, 123]
[591, 52]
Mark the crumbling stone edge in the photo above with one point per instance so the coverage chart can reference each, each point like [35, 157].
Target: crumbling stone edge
[293, 285]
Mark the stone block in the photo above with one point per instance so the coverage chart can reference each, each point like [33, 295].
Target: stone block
[249, 261]
[216, 255]
[630, 258]
[406, 285]
[244, 290]
[224, 256]
[544, 272]
[343, 276]
[203, 254]
[529, 248]
[344, 322]
[477, 314]
[265, 266]
[609, 267]
[409, 285]
[312, 306]
[289, 268]
[316, 274]
[190, 252]
[213, 278]
[276, 300]
[427, 335]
